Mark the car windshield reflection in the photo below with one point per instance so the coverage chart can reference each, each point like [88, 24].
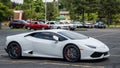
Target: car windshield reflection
[73, 35]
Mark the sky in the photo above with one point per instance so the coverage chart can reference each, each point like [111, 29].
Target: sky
[21, 1]
[18, 1]
[48, 0]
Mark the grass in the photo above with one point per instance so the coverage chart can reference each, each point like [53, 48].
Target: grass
[114, 26]
[81, 29]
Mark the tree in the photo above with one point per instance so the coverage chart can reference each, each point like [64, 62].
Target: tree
[78, 8]
[5, 13]
[52, 10]
[109, 8]
[6, 3]
[33, 9]
[39, 9]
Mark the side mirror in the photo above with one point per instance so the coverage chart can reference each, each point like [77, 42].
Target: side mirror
[56, 38]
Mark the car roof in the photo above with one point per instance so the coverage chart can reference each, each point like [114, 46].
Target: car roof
[51, 30]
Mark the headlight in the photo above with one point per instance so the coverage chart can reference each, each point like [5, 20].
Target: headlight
[90, 46]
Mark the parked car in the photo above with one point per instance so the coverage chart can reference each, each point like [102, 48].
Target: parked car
[99, 25]
[56, 43]
[17, 23]
[88, 25]
[59, 25]
[71, 26]
[36, 25]
[77, 24]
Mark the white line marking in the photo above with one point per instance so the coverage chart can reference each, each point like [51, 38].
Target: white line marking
[76, 65]
[51, 63]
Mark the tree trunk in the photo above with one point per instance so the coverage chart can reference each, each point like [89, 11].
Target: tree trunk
[83, 16]
[109, 19]
[88, 16]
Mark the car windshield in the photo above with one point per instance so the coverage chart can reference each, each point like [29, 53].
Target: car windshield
[57, 23]
[76, 23]
[41, 22]
[101, 23]
[73, 35]
[23, 21]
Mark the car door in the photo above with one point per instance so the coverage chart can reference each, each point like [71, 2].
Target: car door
[16, 23]
[44, 45]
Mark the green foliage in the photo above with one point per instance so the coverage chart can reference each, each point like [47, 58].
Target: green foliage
[33, 9]
[27, 14]
[92, 9]
[52, 11]
[108, 10]
[116, 19]
[6, 3]
[5, 12]
[91, 17]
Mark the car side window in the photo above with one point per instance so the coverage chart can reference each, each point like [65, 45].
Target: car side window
[43, 35]
[35, 23]
[47, 36]
[47, 23]
[52, 23]
[15, 21]
[61, 38]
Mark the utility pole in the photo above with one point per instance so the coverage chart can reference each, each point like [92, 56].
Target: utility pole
[58, 7]
[45, 10]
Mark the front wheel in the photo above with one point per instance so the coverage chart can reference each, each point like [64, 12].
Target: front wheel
[43, 28]
[14, 50]
[58, 27]
[28, 28]
[71, 53]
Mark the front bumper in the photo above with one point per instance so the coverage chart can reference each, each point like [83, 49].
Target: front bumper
[94, 55]
[100, 54]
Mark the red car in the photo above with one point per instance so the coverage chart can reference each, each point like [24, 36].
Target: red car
[36, 25]
[17, 23]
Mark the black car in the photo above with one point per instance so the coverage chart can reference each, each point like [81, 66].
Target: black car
[99, 25]
[17, 23]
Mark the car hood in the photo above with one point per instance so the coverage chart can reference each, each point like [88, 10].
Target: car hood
[91, 41]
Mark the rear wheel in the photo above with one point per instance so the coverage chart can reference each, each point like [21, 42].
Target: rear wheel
[14, 50]
[72, 28]
[11, 27]
[71, 53]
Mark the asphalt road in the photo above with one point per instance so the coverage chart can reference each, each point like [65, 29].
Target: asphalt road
[110, 37]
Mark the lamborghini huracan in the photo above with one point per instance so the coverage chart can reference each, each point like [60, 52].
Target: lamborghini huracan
[56, 43]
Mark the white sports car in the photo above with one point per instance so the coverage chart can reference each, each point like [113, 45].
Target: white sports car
[56, 43]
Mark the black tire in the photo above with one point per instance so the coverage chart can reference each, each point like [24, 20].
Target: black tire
[11, 27]
[14, 50]
[72, 29]
[28, 28]
[71, 53]
[43, 28]
[58, 27]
